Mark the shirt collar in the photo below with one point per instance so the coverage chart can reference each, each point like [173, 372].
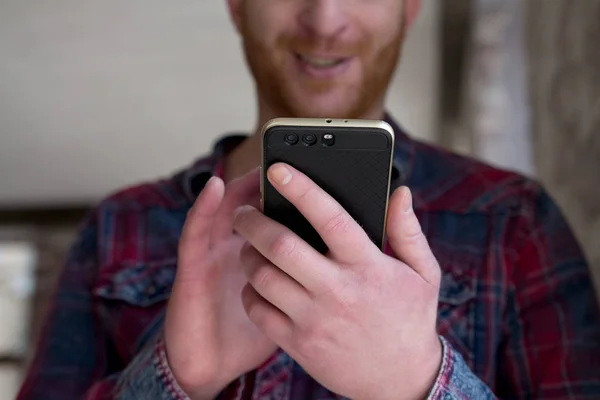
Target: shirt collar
[195, 177]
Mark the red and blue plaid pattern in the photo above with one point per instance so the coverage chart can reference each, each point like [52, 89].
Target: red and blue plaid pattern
[517, 312]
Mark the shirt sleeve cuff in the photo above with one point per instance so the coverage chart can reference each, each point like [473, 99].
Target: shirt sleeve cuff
[165, 374]
[443, 378]
[456, 380]
[149, 376]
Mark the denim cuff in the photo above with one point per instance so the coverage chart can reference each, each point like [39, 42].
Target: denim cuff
[455, 380]
[149, 376]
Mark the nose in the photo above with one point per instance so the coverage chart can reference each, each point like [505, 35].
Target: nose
[325, 18]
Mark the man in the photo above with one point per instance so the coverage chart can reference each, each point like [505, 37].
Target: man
[494, 299]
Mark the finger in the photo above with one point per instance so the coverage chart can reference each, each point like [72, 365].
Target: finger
[346, 240]
[267, 318]
[195, 236]
[274, 285]
[243, 190]
[407, 239]
[285, 249]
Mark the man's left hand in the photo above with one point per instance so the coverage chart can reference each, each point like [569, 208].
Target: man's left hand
[361, 323]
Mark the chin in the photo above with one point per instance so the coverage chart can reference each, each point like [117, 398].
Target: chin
[329, 105]
[314, 112]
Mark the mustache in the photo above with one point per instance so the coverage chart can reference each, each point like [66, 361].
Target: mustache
[305, 44]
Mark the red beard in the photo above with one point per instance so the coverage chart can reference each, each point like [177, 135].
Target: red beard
[268, 66]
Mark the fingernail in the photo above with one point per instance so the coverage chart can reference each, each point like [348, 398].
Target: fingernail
[280, 174]
[407, 205]
[210, 181]
[241, 210]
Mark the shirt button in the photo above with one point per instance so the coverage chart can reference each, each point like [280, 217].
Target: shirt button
[151, 290]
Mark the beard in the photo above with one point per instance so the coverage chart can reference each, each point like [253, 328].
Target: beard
[294, 95]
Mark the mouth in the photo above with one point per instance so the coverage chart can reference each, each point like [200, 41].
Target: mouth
[320, 62]
[322, 67]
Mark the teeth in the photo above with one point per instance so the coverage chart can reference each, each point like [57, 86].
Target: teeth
[320, 62]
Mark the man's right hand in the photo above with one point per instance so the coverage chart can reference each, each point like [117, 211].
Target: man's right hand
[208, 337]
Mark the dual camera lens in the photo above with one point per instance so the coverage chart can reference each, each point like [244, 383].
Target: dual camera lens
[309, 139]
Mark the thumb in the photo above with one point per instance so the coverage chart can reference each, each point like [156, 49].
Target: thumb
[406, 237]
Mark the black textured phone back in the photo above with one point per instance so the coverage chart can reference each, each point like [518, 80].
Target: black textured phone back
[355, 172]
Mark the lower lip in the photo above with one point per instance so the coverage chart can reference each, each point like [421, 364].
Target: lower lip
[322, 72]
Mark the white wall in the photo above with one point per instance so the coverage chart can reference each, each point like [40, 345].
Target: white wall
[97, 94]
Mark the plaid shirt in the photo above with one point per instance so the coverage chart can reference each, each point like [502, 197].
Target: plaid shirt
[517, 311]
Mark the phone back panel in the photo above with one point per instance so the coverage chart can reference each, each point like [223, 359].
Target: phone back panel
[355, 171]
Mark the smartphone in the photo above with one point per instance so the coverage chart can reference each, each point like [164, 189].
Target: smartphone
[350, 159]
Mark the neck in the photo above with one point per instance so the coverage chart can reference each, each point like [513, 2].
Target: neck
[246, 156]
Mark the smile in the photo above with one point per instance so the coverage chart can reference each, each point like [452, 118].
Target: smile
[322, 67]
[321, 62]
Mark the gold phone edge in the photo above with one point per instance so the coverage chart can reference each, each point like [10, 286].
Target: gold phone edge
[334, 123]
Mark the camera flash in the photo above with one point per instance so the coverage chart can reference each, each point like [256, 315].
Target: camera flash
[328, 139]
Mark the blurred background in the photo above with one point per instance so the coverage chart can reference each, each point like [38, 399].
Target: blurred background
[99, 94]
